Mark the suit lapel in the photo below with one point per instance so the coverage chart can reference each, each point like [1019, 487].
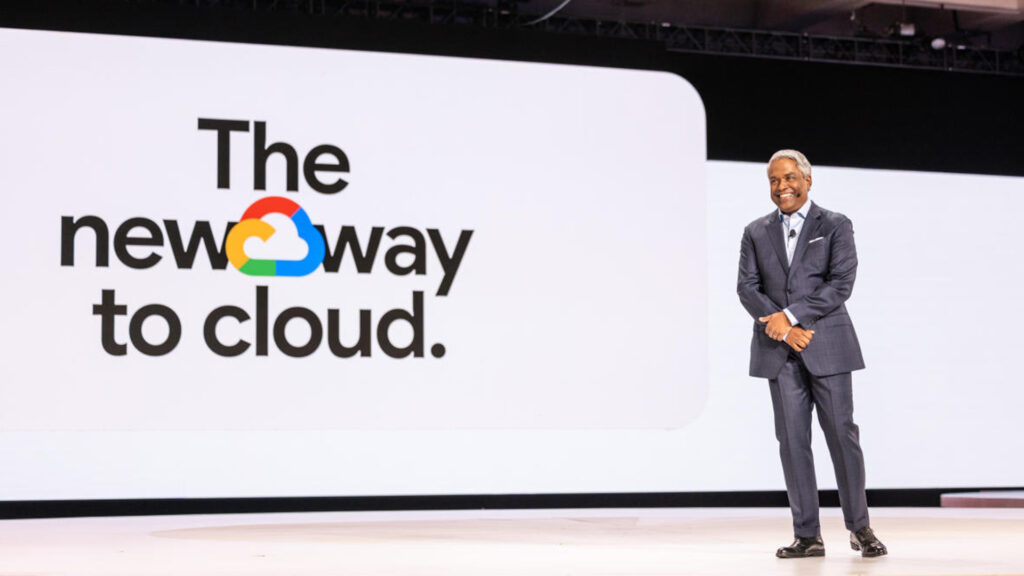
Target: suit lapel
[774, 230]
[808, 233]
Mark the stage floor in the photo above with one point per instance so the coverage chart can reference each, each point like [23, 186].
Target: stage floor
[634, 542]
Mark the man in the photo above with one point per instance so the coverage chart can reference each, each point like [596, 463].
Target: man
[797, 267]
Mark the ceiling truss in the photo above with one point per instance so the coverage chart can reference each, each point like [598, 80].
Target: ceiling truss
[892, 52]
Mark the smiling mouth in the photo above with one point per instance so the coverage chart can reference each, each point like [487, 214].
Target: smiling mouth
[783, 196]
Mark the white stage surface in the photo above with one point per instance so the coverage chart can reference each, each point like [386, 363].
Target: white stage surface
[633, 542]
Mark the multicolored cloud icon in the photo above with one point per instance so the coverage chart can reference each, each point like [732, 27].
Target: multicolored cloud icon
[252, 225]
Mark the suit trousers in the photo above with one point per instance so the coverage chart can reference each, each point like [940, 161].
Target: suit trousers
[795, 392]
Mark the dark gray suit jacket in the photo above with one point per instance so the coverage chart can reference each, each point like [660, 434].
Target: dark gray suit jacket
[814, 289]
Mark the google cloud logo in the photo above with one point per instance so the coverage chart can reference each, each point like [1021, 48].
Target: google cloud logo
[255, 235]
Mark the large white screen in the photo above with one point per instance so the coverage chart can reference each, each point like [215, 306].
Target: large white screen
[505, 260]
[594, 342]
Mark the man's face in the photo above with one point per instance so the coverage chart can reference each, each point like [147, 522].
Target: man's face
[788, 184]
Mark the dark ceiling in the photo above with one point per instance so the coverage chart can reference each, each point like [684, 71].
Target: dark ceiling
[986, 23]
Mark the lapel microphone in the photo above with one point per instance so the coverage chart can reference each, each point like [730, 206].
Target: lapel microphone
[792, 233]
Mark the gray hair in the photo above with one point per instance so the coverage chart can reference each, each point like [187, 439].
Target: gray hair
[795, 156]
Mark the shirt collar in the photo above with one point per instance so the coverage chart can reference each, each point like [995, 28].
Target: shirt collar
[802, 212]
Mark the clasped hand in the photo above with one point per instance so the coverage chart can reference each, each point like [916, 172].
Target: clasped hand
[777, 327]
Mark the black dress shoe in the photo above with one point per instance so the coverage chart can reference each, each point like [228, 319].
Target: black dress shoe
[802, 548]
[868, 544]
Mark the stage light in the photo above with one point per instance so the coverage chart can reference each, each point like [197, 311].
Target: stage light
[938, 43]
